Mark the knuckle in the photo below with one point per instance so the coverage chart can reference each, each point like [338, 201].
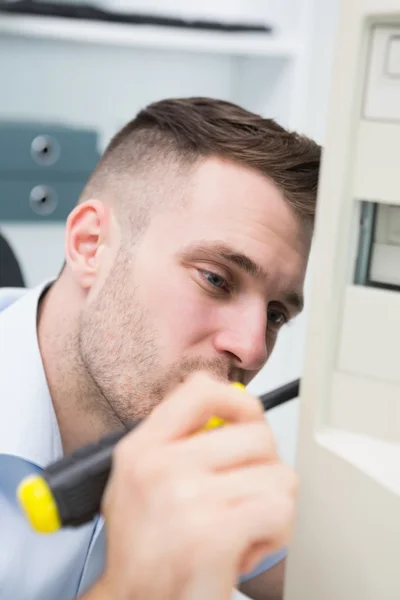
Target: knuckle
[183, 487]
[200, 387]
[177, 499]
[197, 533]
[204, 390]
[287, 508]
[140, 471]
[262, 436]
[254, 404]
[290, 479]
[287, 482]
[184, 490]
[149, 470]
[279, 517]
[284, 508]
[280, 484]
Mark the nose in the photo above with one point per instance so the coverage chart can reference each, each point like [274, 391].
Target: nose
[244, 337]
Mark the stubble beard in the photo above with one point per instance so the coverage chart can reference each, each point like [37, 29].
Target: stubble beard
[121, 356]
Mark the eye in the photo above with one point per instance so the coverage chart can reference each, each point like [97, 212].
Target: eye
[276, 318]
[214, 279]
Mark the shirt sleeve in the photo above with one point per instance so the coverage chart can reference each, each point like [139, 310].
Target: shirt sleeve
[267, 563]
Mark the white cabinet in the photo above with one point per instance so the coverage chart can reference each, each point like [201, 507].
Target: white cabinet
[349, 434]
[382, 93]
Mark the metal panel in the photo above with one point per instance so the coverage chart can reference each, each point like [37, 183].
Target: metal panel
[38, 200]
[42, 148]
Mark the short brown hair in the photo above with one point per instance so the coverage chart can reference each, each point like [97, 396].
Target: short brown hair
[184, 130]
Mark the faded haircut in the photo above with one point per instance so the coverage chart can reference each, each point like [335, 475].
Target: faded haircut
[169, 137]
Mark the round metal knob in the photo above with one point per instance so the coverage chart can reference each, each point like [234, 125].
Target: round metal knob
[45, 150]
[43, 200]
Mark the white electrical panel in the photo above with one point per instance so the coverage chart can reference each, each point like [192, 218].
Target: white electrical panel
[382, 92]
[347, 531]
[378, 261]
[393, 55]
[381, 266]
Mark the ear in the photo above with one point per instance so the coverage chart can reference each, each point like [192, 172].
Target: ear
[87, 233]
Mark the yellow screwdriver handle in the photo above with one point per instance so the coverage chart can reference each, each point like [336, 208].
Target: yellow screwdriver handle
[38, 494]
[215, 422]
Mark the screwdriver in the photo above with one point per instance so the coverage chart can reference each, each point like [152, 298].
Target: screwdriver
[68, 493]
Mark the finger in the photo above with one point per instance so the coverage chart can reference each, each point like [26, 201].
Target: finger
[226, 447]
[187, 409]
[251, 530]
[253, 558]
[262, 523]
[272, 481]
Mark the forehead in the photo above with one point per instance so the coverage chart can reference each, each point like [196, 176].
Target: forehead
[244, 207]
[220, 186]
[241, 208]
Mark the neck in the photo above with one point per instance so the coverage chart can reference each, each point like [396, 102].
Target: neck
[83, 415]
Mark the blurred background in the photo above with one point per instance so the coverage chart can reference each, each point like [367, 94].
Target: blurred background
[72, 74]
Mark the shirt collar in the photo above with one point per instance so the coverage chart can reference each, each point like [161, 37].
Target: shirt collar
[28, 424]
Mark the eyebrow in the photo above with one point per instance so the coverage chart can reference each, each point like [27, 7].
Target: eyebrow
[243, 262]
[295, 300]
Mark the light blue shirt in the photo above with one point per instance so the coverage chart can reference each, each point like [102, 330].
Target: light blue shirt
[65, 564]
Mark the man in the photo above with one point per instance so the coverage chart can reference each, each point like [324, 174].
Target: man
[186, 252]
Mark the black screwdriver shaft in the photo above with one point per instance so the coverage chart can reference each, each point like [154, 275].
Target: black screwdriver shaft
[77, 481]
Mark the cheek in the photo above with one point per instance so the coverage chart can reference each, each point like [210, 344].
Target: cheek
[179, 310]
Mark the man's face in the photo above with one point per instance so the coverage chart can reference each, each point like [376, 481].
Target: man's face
[208, 285]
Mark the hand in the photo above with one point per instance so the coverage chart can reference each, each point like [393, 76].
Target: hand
[187, 512]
